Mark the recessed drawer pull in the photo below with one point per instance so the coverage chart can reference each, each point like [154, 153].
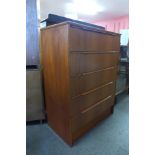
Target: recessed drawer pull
[90, 91]
[93, 52]
[100, 70]
[93, 90]
[93, 106]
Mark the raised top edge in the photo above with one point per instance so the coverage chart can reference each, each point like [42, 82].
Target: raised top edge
[86, 27]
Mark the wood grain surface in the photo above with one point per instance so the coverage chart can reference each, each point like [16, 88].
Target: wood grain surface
[80, 71]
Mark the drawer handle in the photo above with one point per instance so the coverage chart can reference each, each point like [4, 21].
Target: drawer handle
[100, 70]
[93, 106]
[94, 52]
[90, 91]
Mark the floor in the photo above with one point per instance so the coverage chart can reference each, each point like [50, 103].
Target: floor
[121, 83]
[110, 137]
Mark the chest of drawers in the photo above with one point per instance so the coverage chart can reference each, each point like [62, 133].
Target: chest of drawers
[79, 72]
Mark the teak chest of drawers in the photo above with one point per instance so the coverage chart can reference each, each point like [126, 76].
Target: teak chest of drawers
[79, 72]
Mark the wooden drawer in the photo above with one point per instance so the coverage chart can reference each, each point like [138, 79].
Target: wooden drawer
[91, 113]
[87, 82]
[92, 97]
[85, 62]
[85, 40]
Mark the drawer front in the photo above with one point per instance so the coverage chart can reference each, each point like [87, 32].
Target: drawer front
[82, 63]
[87, 40]
[93, 62]
[91, 113]
[87, 82]
[92, 97]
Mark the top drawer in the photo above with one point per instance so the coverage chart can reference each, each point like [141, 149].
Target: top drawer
[84, 40]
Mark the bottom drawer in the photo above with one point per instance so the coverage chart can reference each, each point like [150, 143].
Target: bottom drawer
[91, 113]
